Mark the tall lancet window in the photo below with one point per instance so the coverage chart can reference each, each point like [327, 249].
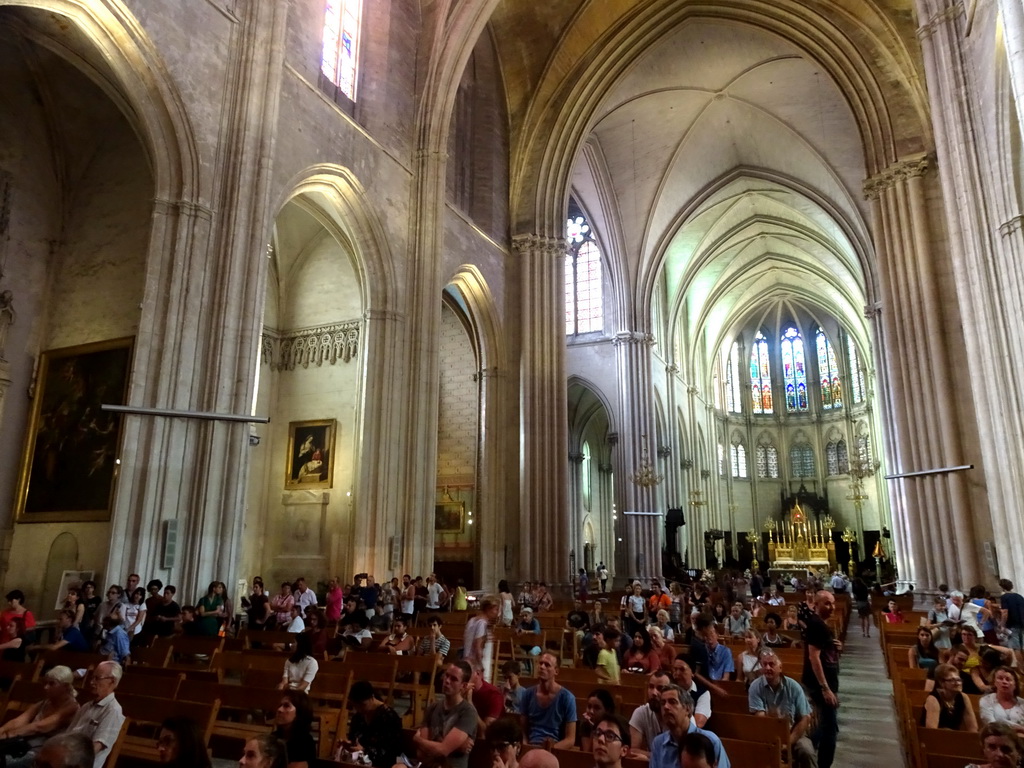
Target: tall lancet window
[856, 372]
[794, 371]
[828, 371]
[584, 306]
[760, 376]
[733, 401]
[339, 61]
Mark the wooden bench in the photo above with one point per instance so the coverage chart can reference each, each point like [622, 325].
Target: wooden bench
[750, 754]
[135, 683]
[195, 652]
[771, 731]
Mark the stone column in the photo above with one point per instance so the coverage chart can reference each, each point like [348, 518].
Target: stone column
[199, 336]
[989, 280]
[544, 542]
[606, 544]
[491, 478]
[642, 520]
[923, 423]
[576, 505]
[1012, 14]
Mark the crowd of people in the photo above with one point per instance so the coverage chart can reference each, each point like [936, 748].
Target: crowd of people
[637, 639]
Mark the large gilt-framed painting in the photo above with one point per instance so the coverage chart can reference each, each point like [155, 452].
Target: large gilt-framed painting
[450, 517]
[72, 450]
[310, 454]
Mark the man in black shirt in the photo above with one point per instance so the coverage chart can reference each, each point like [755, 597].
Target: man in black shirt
[1013, 615]
[821, 674]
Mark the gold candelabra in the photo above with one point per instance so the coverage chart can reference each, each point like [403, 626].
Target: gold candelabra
[752, 537]
[770, 526]
[645, 476]
[850, 537]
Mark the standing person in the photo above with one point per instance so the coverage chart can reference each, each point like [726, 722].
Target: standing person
[507, 601]
[862, 601]
[281, 605]
[821, 674]
[335, 598]
[549, 710]
[90, 602]
[584, 585]
[212, 609]
[602, 576]
[460, 602]
[17, 612]
[259, 608]
[303, 595]
[635, 612]
[167, 613]
[1012, 605]
[476, 642]
[435, 593]
[153, 599]
[130, 585]
[135, 613]
[409, 598]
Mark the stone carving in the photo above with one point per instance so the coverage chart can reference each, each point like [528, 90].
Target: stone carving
[6, 318]
[311, 346]
[895, 173]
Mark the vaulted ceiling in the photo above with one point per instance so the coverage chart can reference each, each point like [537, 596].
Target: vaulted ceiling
[723, 167]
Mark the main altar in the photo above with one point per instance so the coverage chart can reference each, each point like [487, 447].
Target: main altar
[804, 543]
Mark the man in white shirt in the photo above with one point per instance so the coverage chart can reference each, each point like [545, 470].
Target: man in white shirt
[101, 718]
[838, 582]
[645, 722]
[435, 593]
[304, 596]
[296, 623]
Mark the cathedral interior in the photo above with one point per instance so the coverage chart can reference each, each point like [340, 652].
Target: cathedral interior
[488, 287]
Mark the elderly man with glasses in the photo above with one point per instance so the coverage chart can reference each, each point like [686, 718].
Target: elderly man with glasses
[677, 715]
[101, 718]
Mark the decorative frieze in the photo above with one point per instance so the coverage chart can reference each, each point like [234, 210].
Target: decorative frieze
[1012, 226]
[551, 246]
[325, 344]
[633, 337]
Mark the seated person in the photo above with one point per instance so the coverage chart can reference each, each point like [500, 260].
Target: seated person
[599, 704]
[12, 644]
[641, 658]
[1004, 704]
[399, 642]
[297, 623]
[449, 726]
[66, 750]
[750, 662]
[1001, 746]
[115, 640]
[662, 623]
[738, 621]
[376, 729]
[893, 614]
[991, 658]
[577, 620]
[434, 643]
[44, 718]
[776, 695]
[709, 657]
[357, 635]
[528, 628]
[612, 741]
[511, 691]
[69, 636]
[924, 654]
[947, 706]
[771, 637]
[682, 675]
[549, 710]
[293, 723]
[645, 722]
[677, 716]
[100, 719]
[487, 700]
[666, 651]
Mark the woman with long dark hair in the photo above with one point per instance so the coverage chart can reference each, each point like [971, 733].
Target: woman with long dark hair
[294, 726]
[301, 667]
[180, 744]
[212, 609]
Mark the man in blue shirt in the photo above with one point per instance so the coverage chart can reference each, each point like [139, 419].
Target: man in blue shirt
[676, 713]
[776, 695]
[711, 658]
[549, 710]
[70, 636]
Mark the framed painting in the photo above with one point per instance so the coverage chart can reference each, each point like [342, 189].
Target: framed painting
[72, 448]
[450, 517]
[310, 454]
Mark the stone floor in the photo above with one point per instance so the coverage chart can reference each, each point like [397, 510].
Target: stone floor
[868, 736]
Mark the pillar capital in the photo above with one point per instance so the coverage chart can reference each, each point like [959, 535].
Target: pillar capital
[633, 337]
[901, 170]
[539, 244]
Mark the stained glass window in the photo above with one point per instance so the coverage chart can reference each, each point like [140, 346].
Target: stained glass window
[801, 459]
[738, 457]
[837, 458]
[828, 373]
[760, 376]
[843, 457]
[767, 462]
[721, 460]
[339, 61]
[864, 452]
[794, 372]
[733, 401]
[856, 373]
[584, 305]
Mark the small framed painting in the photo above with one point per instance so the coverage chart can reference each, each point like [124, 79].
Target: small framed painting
[310, 454]
[450, 517]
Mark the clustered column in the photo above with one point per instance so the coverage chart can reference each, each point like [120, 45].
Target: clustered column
[544, 427]
[934, 532]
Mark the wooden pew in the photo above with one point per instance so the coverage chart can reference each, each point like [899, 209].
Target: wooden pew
[140, 684]
[771, 731]
[195, 652]
[751, 754]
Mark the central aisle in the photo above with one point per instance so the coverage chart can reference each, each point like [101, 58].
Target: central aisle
[868, 736]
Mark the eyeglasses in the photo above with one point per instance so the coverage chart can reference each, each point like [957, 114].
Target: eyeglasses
[606, 734]
[499, 746]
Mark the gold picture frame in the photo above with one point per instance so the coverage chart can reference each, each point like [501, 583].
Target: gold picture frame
[450, 517]
[310, 458]
[72, 448]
